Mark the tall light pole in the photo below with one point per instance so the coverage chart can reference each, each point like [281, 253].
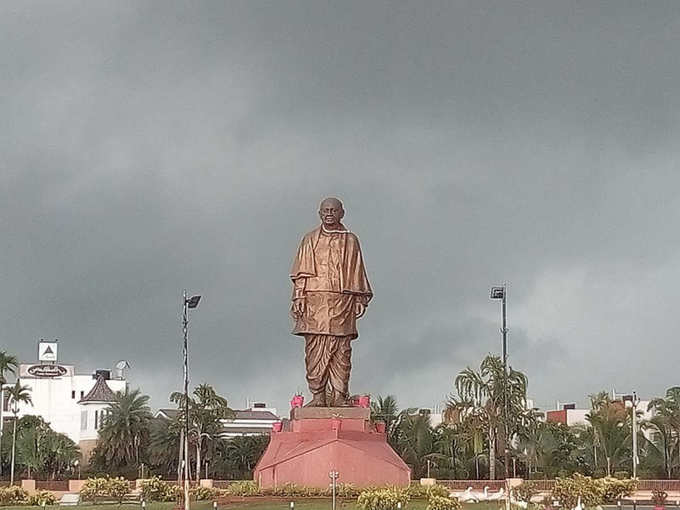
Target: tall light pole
[501, 293]
[188, 303]
[634, 400]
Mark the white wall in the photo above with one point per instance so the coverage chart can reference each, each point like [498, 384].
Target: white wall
[56, 399]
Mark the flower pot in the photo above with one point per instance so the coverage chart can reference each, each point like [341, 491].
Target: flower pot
[335, 423]
[364, 401]
[380, 427]
[297, 401]
[277, 426]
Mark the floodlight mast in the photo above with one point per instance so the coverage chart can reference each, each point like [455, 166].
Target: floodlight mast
[187, 303]
[501, 293]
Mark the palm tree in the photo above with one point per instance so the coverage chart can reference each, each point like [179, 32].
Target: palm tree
[481, 397]
[125, 433]
[385, 410]
[612, 426]
[164, 444]
[415, 442]
[666, 426]
[17, 394]
[207, 409]
[8, 363]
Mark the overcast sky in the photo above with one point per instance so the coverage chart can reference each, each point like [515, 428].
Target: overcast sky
[150, 146]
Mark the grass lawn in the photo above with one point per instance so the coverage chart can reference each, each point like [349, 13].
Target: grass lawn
[300, 504]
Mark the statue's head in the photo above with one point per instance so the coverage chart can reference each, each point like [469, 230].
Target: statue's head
[331, 212]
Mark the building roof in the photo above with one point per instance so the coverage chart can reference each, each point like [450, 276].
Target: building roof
[169, 414]
[249, 414]
[100, 392]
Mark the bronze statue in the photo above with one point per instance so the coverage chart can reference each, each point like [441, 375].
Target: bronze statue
[330, 292]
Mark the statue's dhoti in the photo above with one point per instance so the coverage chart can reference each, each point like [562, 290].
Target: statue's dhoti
[329, 362]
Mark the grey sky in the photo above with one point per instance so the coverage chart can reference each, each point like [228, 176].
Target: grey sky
[151, 146]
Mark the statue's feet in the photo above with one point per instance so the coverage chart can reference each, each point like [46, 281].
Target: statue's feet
[318, 400]
[339, 400]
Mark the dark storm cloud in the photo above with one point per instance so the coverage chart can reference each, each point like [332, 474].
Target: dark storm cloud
[154, 145]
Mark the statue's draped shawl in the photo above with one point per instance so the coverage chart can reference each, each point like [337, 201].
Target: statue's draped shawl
[353, 279]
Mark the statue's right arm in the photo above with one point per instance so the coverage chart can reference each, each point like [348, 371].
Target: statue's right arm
[297, 307]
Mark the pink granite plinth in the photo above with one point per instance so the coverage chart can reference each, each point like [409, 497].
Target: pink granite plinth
[317, 441]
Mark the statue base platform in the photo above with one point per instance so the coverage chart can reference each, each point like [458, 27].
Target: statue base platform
[318, 440]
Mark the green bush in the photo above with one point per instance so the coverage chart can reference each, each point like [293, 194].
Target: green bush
[443, 503]
[95, 489]
[13, 496]
[417, 491]
[243, 488]
[294, 490]
[346, 490]
[204, 493]
[383, 499]
[525, 491]
[118, 488]
[41, 498]
[568, 490]
[614, 489]
[155, 489]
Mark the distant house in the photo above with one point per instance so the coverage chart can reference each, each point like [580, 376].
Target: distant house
[257, 420]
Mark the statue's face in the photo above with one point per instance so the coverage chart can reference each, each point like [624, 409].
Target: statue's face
[331, 212]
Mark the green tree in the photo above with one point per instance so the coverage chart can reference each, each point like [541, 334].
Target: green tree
[415, 442]
[665, 427]
[480, 397]
[18, 394]
[385, 410]
[207, 409]
[236, 457]
[612, 427]
[8, 364]
[124, 437]
[164, 445]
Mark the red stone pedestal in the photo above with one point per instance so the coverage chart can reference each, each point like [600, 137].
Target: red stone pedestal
[319, 440]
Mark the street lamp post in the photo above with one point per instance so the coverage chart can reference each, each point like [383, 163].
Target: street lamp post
[501, 293]
[634, 400]
[188, 303]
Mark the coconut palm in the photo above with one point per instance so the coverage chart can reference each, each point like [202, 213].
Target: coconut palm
[207, 409]
[480, 396]
[665, 426]
[385, 410]
[164, 444]
[238, 455]
[18, 394]
[612, 426]
[124, 436]
[8, 364]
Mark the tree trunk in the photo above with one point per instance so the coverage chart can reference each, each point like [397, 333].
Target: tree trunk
[199, 440]
[492, 454]
[609, 466]
[181, 456]
[14, 443]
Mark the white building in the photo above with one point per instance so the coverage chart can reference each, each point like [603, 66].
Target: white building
[257, 420]
[73, 404]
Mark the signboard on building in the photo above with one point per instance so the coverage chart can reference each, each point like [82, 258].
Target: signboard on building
[47, 351]
[45, 371]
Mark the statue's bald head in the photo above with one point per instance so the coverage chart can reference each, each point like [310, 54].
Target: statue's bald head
[331, 212]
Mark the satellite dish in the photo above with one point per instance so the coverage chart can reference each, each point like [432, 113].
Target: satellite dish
[121, 366]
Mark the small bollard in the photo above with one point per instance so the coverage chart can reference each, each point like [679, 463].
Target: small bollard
[634, 504]
[292, 505]
[143, 504]
[398, 505]
[215, 505]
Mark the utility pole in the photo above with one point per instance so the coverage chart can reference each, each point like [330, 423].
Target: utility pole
[636, 461]
[187, 303]
[505, 383]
